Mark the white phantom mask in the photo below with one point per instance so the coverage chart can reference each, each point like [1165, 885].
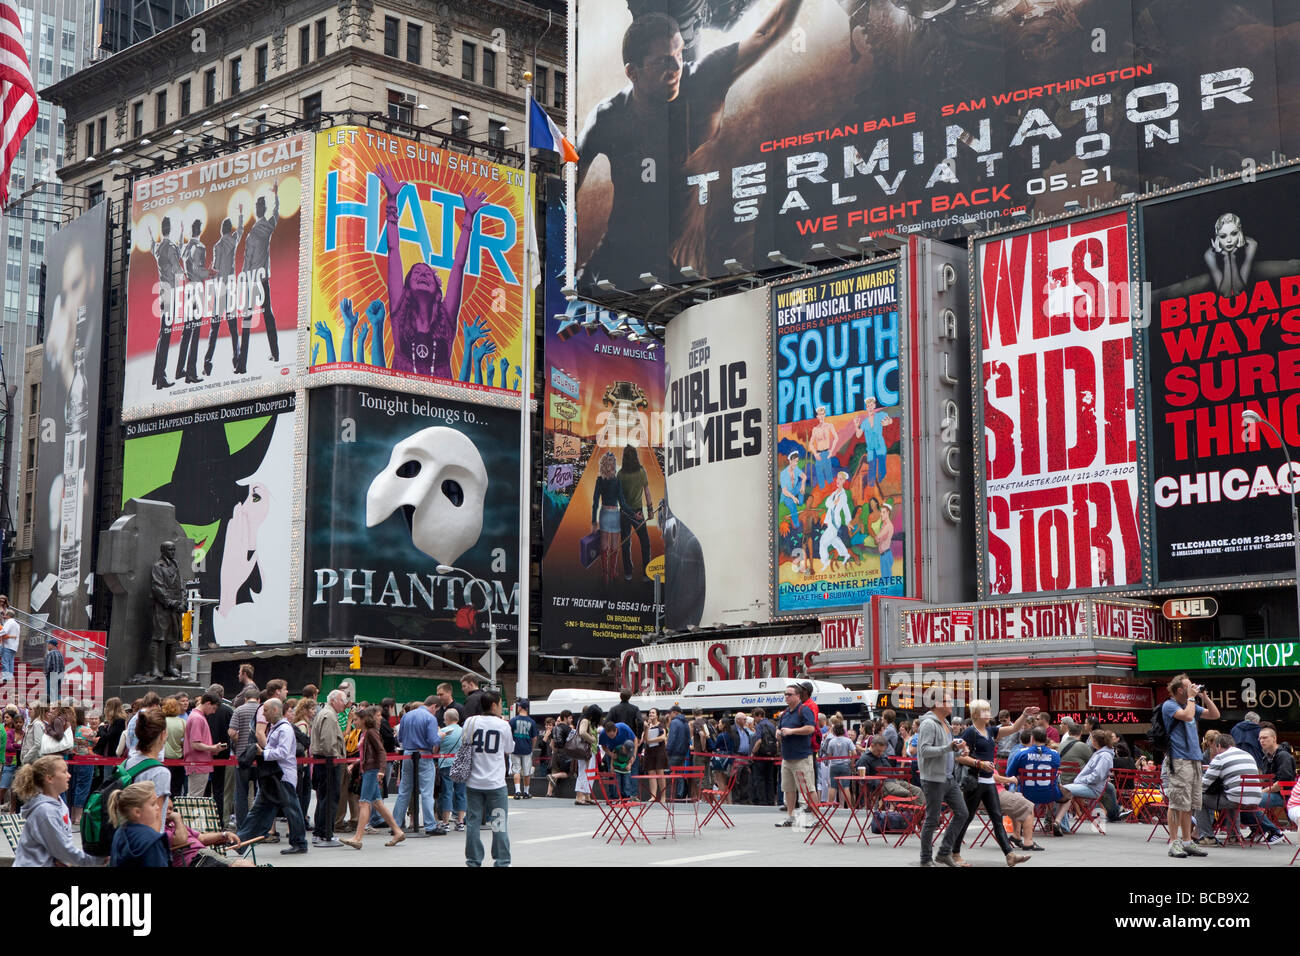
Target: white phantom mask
[438, 479]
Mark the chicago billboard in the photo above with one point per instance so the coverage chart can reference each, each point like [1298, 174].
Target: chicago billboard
[1224, 268]
[68, 430]
[216, 250]
[711, 130]
[837, 498]
[417, 261]
[1058, 470]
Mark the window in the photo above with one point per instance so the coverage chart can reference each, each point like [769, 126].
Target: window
[539, 85]
[489, 69]
[391, 27]
[185, 97]
[561, 93]
[467, 61]
[497, 133]
[236, 75]
[304, 45]
[459, 123]
[320, 38]
[137, 119]
[260, 64]
[160, 110]
[210, 87]
[311, 107]
[413, 41]
[401, 106]
[90, 138]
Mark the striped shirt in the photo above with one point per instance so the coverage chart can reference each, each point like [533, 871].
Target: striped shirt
[1229, 766]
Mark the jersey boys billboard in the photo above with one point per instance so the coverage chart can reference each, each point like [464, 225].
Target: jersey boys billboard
[215, 256]
[711, 130]
[838, 421]
[417, 262]
[399, 485]
[1224, 268]
[1055, 348]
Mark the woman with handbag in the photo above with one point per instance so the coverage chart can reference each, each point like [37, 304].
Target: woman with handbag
[374, 761]
[978, 783]
[586, 759]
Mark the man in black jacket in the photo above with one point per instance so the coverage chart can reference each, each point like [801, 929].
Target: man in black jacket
[473, 705]
[626, 712]
[1277, 762]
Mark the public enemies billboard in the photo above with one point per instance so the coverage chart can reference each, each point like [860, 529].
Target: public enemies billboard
[716, 129]
[399, 485]
[838, 492]
[68, 427]
[603, 454]
[228, 471]
[715, 539]
[1224, 338]
[1059, 464]
[417, 261]
[216, 249]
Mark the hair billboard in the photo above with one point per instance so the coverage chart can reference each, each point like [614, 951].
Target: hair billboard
[1224, 269]
[713, 130]
[1055, 394]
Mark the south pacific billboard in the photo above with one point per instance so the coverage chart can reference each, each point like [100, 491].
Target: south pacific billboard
[228, 470]
[1057, 475]
[417, 262]
[213, 294]
[1223, 266]
[401, 485]
[838, 400]
[713, 130]
[604, 392]
[63, 528]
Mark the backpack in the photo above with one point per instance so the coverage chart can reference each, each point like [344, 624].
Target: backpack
[766, 741]
[96, 827]
[1159, 733]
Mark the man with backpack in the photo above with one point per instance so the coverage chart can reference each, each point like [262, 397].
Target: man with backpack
[762, 777]
[1173, 730]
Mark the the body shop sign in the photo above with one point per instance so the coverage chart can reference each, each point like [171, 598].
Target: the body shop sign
[1122, 696]
[669, 667]
[1191, 657]
[1049, 620]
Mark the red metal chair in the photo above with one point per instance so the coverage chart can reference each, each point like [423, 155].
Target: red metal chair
[715, 797]
[1228, 820]
[822, 811]
[620, 814]
[1085, 807]
[1278, 814]
[1033, 780]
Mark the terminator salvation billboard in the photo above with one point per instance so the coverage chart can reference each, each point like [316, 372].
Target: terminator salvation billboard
[417, 261]
[731, 128]
[1059, 468]
[399, 485]
[1224, 268]
[212, 301]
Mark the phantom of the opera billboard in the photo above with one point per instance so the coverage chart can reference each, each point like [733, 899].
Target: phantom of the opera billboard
[602, 419]
[398, 486]
[213, 287]
[1056, 478]
[713, 130]
[417, 262]
[838, 409]
[1223, 266]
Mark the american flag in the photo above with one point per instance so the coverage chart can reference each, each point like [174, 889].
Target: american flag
[17, 93]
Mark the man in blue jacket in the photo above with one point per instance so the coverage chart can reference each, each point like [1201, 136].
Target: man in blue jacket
[679, 745]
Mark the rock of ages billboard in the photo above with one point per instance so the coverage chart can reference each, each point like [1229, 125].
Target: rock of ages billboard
[838, 492]
[1224, 269]
[602, 417]
[68, 427]
[213, 295]
[417, 262]
[228, 471]
[716, 542]
[398, 485]
[1059, 463]
[711, 129]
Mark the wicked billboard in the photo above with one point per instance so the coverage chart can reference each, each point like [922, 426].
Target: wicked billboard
[399, 486]
[750, 127]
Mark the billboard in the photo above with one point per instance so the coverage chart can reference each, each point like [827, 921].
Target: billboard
[837, 497]
[215, 255]
[1224, 337]
[738, 128]
[716, 543]
[1058, 468]
[228, 471]
[63, 530]
[417, 261]
[398, 485]
[605, 393]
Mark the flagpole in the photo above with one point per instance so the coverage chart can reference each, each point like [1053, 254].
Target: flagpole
[525, 398]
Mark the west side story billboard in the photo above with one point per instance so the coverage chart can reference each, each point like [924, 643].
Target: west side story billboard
[1224, 336]
[711, 129]
[68, 429]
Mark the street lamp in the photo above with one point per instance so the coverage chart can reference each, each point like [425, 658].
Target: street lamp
[1251, 417]
[492, 627]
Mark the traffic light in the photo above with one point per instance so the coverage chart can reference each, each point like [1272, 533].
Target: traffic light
[354, 658]
[187, 626]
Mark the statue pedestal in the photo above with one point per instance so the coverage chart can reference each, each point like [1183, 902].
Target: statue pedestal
[129, 692]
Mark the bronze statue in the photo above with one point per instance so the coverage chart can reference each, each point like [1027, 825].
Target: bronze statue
[168, 604]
